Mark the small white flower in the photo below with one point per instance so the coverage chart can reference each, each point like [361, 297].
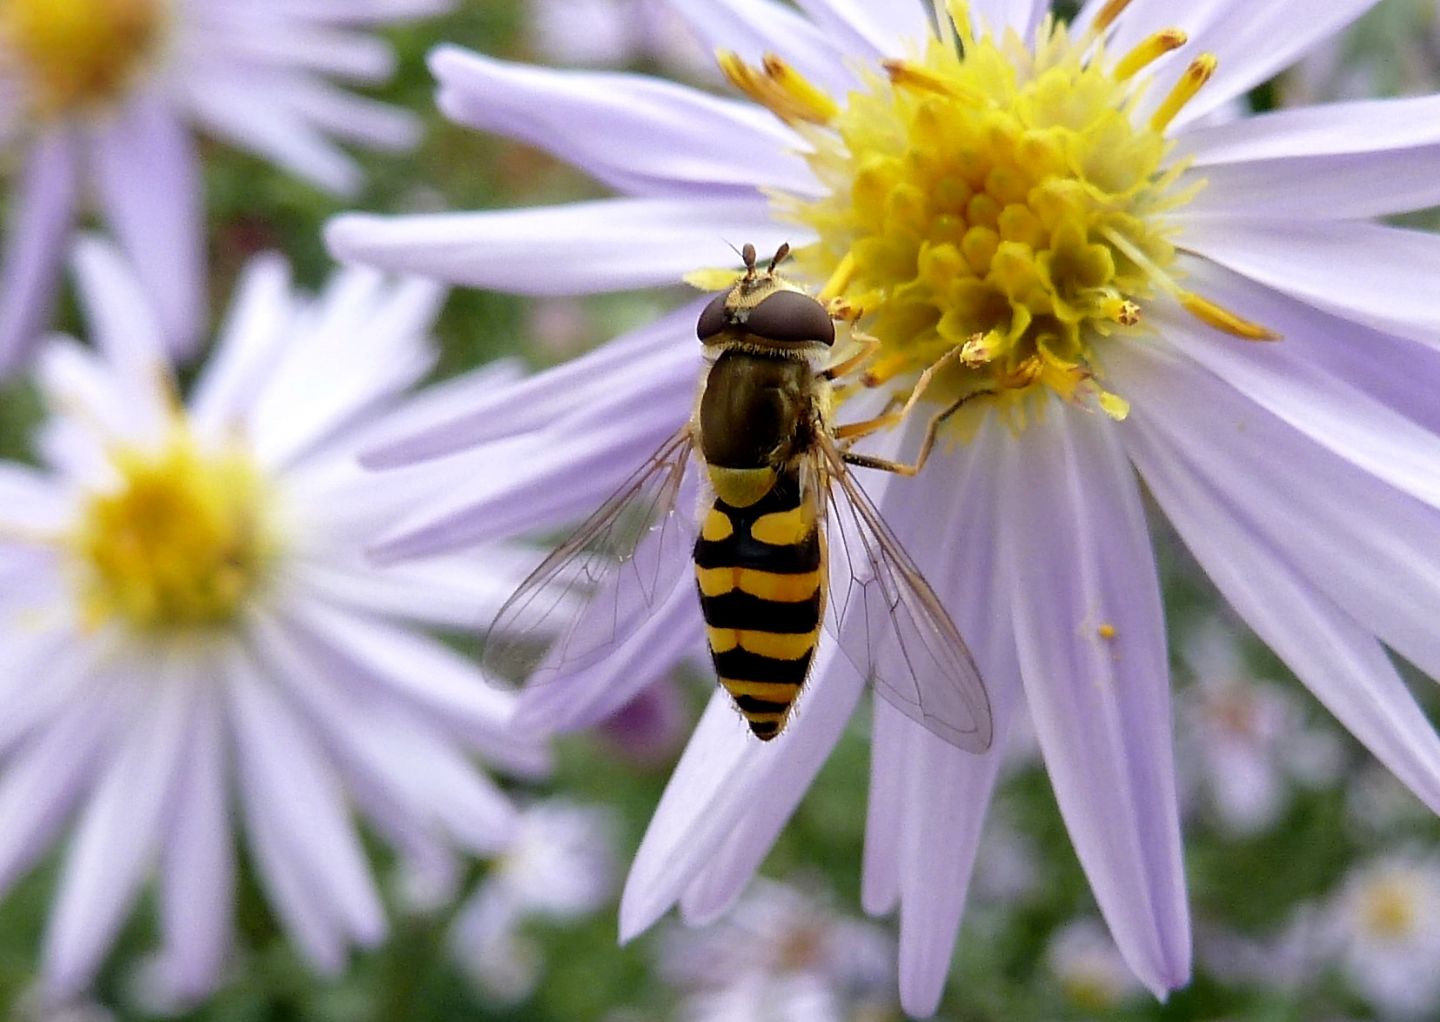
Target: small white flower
[614, 33]
[1091, 973]
[1246, 738]
[102, 97]
[195, 643]
[560, 866]
[780, 954]
[1387, 918]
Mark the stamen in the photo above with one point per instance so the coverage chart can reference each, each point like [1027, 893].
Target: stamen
[839, 280]
[1151, 49]
[909, 75]
[780, 88]
[1107, 16]
[1223, 319]
[1195, 76]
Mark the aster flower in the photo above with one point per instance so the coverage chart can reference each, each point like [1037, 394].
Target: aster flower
[1386, 922]
[1091, 973]
[782, 954]
[102, 96]
[1048, 206]
[561, 866]
[1245, 738]
[189, 584]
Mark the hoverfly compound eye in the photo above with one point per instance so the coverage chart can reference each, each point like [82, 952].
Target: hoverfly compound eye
[791, 316]
[712, 320]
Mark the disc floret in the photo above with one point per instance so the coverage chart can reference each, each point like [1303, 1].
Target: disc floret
[183, 540]
[79, 55]
[1000, 206]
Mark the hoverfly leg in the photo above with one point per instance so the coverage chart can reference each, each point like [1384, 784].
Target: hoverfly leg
[868, 348]
[931, 429]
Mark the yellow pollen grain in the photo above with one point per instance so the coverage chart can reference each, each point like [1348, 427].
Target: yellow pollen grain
[81, 54]
[183, 540]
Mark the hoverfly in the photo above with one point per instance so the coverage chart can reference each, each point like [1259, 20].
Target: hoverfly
[778, 492]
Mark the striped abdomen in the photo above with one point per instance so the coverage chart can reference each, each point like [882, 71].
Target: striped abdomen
[760, 579]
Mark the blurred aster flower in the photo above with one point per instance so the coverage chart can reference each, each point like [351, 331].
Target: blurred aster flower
[1048, 203]
[614, 33]
[782, 954]
[192, 632]
[1091, 973]
[101, 96]
[561, 866]
[1387, 921]
[1246, 738]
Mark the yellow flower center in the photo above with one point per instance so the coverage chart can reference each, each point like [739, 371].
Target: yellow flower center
[80, 54]
[1389, 909]
[1000, 207]
[183, 540]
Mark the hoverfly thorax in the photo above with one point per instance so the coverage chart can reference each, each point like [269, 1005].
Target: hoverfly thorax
[777, 476]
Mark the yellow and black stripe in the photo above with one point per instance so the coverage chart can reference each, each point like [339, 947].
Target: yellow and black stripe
[759, 572]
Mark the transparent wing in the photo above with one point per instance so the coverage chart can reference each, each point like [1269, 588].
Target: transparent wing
[890, 623]
[599, 585]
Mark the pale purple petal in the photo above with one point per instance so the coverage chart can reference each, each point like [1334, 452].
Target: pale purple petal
[291, 791]
[44, 781]
[367, 338]
[1143, 18]
[728, 784]
[383, 743]
[249, 347]
[124, 328]
[147, 176]
[421, 671]
[355, 12]
[884, 811]
[944, 792]
[998, 15]
[671, 633]
[42, 211]
[1346, 160]
[1324, 187]
[585, 247]
[753, 28]
[895, 28]
[638, 134]
[1298, 381]
[358, 119]
[1338, 660]
[665, 354]
[283, 40]
[1081, 559]
[1374, 274]
[29, 501]
[197, 882]
[461, 591]
[1361, 126]
[539, 481]
[1359, 542]
[250, 110]
[118, 835]
[1253, 41]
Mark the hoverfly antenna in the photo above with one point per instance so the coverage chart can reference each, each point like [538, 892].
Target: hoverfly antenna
[780, 254]
[748, 254]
